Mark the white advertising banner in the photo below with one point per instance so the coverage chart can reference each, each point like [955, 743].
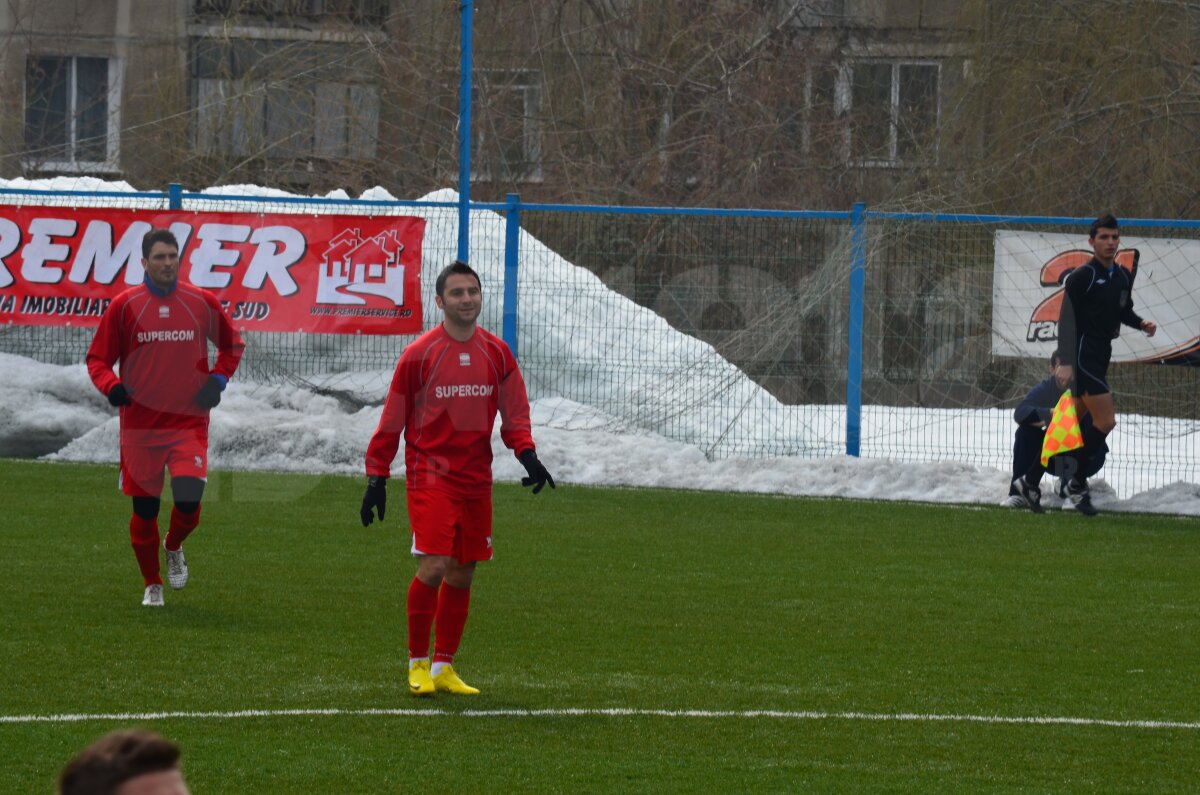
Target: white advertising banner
[1027, 294]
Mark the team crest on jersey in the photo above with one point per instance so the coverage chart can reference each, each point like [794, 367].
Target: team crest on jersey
[464, 360]
[164, 311]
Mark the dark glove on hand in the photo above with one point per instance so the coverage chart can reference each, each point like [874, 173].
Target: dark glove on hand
[117, 396]
[210, 394]
[538, 476]
[375, 497]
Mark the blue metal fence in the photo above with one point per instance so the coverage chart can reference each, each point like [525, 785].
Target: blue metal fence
[776, 327]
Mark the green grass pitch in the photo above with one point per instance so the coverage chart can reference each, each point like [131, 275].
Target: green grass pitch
[758, 643]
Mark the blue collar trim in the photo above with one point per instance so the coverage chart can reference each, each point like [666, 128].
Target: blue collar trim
[154, 288]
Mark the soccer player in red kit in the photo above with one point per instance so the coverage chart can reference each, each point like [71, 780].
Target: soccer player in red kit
[448, 387]
[159, 331]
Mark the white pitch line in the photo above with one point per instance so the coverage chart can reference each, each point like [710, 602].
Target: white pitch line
[900, 717]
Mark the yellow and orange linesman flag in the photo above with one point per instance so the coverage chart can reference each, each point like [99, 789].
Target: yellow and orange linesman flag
[1062, 434]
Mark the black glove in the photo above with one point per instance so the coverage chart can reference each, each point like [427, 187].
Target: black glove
[375, 497]
[117, 396]
[210, 394]
[538, 476]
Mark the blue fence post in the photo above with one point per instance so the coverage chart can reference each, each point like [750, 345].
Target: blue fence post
[512, 240]
[175, 196]
[858, 260]
[464, 132]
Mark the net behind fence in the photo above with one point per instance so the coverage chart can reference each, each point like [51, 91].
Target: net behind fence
[932, 305]
[729, 332]
[724, 332]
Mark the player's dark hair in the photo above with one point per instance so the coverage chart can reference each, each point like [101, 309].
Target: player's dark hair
[1055, 360]
[158, 235]
[112, 760]
[1108, 221]
[458, 266]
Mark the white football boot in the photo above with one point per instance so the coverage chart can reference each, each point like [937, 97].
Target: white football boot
[153, 596]
[177, 570]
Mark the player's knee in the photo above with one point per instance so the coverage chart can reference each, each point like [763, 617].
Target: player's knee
[459, 576]
[432, 570]
[187, 491]
[187, 508]
[146, 507]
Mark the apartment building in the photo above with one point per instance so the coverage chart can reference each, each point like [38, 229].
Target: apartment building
[617, 99]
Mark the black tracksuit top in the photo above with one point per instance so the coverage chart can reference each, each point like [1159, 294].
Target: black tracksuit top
[1095, 304]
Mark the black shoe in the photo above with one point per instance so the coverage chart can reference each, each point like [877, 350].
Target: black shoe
[1032, 494]
[1081, 497]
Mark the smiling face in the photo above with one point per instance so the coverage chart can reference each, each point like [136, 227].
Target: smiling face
[461, 301]
[162, 266]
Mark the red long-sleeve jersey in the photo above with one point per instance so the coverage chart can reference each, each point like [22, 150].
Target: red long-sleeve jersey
[444, 398]
[161, 340]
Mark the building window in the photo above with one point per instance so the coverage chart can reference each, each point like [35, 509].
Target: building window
[282, 100]
[820, 132]
[71, 113]
[286, 12]
[506, 122]
[892, 110]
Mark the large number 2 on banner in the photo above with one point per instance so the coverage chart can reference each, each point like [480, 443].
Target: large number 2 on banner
[1053, 273]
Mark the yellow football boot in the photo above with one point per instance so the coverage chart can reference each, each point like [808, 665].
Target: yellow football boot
[420, 683]
[448, 682]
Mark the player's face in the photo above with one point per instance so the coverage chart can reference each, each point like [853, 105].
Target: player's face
[461, 300]
[163, 265]
[1105, 244]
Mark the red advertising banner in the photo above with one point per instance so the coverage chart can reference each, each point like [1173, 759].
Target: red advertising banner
[332, 274]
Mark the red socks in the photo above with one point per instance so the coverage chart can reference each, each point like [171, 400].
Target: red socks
[143, 535]
[446, 607]
[422, 604]
[452, 607]
[182, 525]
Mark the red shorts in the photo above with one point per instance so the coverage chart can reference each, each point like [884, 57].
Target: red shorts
[142, 467]
[447, 524]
